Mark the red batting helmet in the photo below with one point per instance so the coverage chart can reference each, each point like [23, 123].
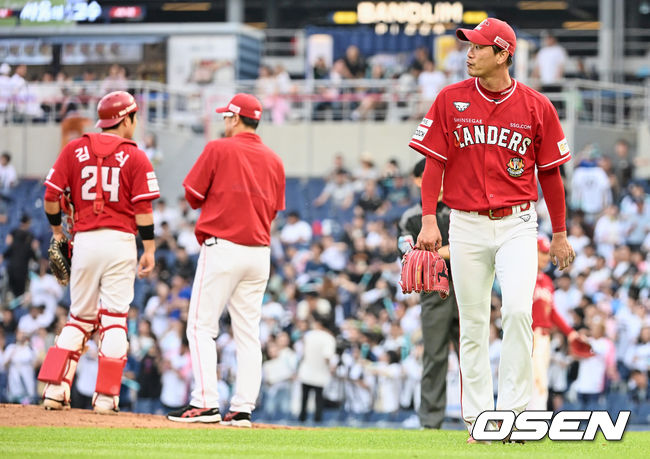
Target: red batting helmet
[114, 107]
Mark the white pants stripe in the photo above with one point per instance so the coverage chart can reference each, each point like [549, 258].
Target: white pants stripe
[234, 275]
[479, 249]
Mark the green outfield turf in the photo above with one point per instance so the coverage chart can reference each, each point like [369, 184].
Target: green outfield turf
[53, 442]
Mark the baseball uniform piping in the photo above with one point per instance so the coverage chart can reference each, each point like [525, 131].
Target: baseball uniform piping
[144, 196]
[561, 160]
[194, 192]
[427, 149]
[512, 91]
[196, 318]
[48, 183]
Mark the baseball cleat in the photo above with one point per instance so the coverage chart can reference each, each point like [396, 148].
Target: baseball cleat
[237, 419]
[55, 405]
[105, 404]
[193, 414]
[471, 441]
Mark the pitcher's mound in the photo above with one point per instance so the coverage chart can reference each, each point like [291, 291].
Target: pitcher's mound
[32, 415]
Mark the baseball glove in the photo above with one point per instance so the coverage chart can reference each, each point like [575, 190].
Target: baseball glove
[580, 349]
[60, 256]
[424, 271]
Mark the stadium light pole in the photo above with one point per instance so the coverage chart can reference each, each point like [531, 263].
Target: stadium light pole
[606, 40]
[235, 11]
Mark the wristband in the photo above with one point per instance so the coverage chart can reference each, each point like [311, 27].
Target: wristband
[54, 219]
[146, 232]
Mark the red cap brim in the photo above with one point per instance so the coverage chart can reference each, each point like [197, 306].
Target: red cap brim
[222, 110]
[473, 36]
[108, 123]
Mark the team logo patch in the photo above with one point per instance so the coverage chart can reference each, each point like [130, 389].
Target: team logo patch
[563, 146]
[515, 167]
[461, 106]
[420, 132]
[426, 122]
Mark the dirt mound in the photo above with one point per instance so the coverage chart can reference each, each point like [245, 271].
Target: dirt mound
[31, 415]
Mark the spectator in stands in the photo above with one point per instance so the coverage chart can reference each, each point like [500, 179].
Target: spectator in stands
[115, 80]
[22, 247]
[388, 373]
[430, 81]
[590, 188]
[8, 176]
[320, 70]
[455, 63]
[623, 162]
[20, 361]
[5, 90]
[355, 63]
[566, 297]
[421, 56]
[149, 380]
[49, 94]
[370, 200]
[319, 348]
[339, 192]
[176, 378]
[295, 230]
[18, 85]
[549, 64]
[272, 89]
[278, 372]
[635, 213]
[609, 232]
[150, 146]
[372, 101]
[86, 378]
[45, 290]
[592, 371]
[366, 171]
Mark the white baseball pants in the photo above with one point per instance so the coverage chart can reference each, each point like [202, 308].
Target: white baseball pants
[233, 274]
[479, 249]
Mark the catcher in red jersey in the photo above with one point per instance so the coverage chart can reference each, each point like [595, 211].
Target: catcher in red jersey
[488, 135]
[112, 184]
[545, 317]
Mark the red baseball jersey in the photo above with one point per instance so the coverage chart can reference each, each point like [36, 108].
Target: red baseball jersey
[127, 178]
[491, 143]
[544, 313]
[240, 184]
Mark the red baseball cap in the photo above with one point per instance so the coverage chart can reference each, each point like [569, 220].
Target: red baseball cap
[244, 105]
[491, 31]
[543, 244]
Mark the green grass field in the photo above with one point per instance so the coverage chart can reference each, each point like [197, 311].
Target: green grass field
[53, 442]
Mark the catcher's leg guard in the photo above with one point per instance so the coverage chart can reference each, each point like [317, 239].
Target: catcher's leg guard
[112, 359]
[60, 363]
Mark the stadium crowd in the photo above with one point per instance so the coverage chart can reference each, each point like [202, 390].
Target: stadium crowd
[334, 320]
[414, 79]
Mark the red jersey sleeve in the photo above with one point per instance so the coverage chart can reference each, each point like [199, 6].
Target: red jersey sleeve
[200, 177]
[559, 322]
[144, 182]
[57, 178]
[553, 148]
[430, 137]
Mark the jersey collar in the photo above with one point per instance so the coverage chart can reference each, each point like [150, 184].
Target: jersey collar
[497, 102]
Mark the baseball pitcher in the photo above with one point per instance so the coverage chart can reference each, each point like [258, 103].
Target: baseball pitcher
[489, 134]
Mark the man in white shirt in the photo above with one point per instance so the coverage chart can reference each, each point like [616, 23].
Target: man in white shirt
[590, 189]
[566, 297]
[5, 89]
[590, 383]
[314, 371]
[550, 62]
[295, 231]
[8, 176]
